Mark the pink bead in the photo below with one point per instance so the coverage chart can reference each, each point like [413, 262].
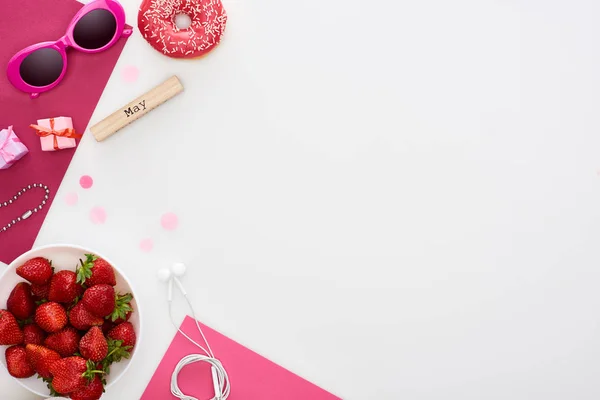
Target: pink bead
[86, 181]
[71, 198]
[98, 215]
[169, 221]
[146, 245]
[130, 73]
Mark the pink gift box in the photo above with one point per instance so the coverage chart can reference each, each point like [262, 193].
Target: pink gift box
[11, 148]
[56, 133]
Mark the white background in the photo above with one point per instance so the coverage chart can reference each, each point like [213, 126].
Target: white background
[395, 200]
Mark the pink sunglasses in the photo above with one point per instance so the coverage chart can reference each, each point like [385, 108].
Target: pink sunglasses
[96, 27]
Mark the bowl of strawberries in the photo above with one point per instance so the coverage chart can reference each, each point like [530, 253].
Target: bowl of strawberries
[69, 322]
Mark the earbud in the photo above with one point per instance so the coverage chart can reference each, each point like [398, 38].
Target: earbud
[178, 269]
[180, 285]
[164, 275]
[170, 275]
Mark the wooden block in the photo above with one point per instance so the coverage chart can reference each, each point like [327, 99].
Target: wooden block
[136, 109]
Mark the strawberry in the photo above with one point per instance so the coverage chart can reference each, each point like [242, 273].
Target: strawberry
[93, 391]
[64, 287]
[107, 326]
[10, 333]
[17, 364]
[93, 345]
[40, 292]
[65, 342]
[100, 300]
[82, 319]
[51, 317]
[95, 271]
[33, 334]
[37, 270]
[68, 374]
[123, 332]
[41, 358]
[20, 303]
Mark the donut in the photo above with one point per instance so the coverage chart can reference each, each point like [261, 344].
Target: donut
[156, 22]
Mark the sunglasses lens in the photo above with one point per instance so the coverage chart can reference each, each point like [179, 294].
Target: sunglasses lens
[95, 29]
[42, 67]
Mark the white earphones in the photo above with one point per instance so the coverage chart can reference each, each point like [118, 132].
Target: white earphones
[173, 274]
[220, 378]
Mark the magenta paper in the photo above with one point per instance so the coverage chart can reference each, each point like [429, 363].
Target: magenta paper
[252, 376]
[23, 23]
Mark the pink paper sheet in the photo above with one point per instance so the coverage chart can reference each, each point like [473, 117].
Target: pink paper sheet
[22, 23]
[252, 376]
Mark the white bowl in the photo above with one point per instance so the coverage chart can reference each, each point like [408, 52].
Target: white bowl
[67, 257]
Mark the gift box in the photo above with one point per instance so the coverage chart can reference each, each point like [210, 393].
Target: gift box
[11, 148]
[56, 133]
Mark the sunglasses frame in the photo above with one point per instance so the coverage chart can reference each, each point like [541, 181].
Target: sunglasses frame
[61, 45]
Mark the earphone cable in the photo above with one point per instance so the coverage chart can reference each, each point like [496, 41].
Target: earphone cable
[198, 326]
[222, 386]
[209, 354]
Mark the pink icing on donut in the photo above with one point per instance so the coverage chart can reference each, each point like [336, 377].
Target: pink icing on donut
[156, 22]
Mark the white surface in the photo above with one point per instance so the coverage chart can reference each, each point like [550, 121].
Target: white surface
[66, 257]
[414, 181]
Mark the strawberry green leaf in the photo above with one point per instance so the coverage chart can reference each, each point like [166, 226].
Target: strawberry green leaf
[122, 306]
[53, 392]
[91, 371]
[23, 322]
[85, 271]
[91, 258]
[116, 353]
[73, 303]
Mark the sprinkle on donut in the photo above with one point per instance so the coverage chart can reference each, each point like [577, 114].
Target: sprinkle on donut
[156, 22]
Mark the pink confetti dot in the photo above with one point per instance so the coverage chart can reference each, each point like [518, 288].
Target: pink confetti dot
[86, 181]
[98, 215]
[169, 221]
[130, 73]
[146, 245]
[71, 198]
